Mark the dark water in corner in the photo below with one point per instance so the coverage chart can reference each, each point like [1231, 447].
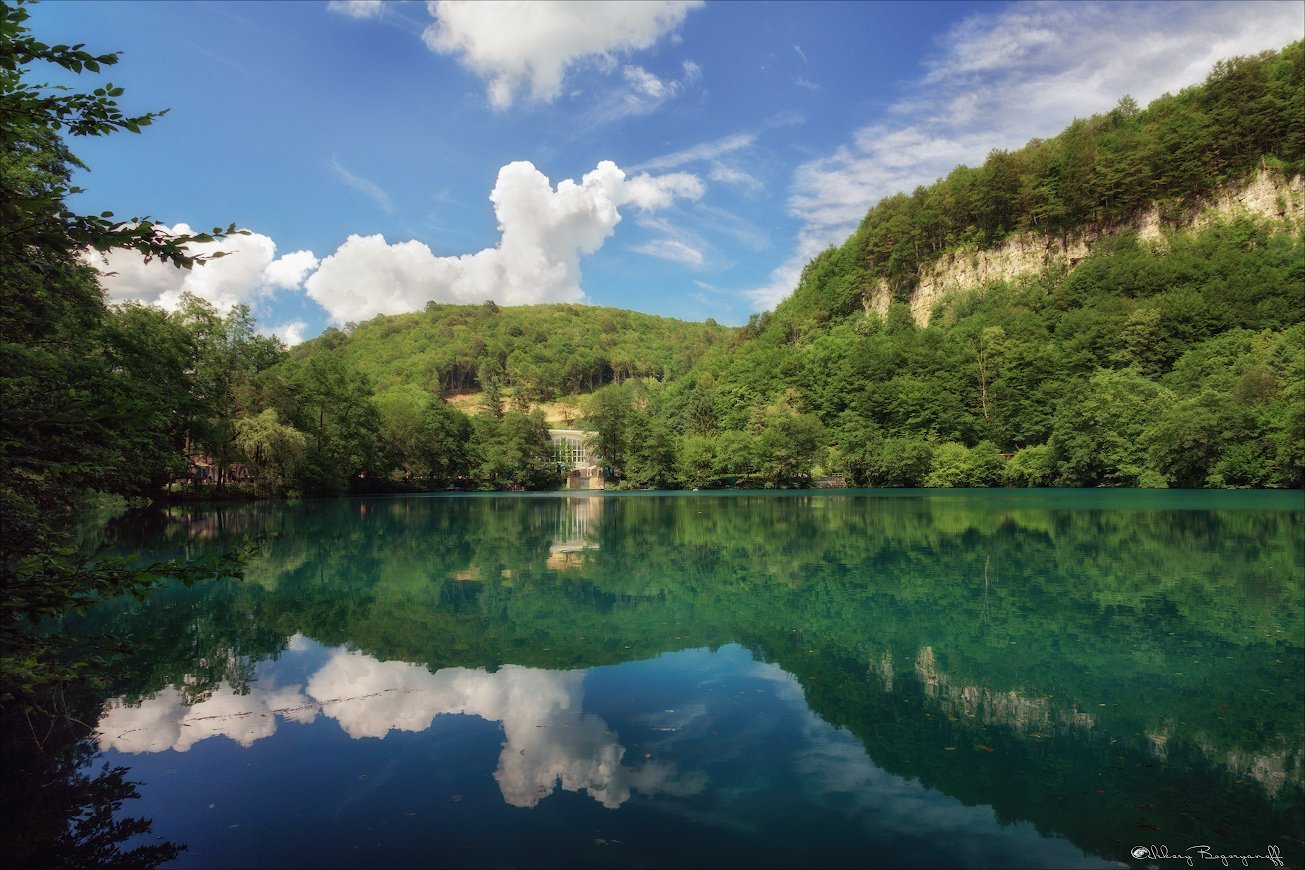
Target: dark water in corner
[936, 679]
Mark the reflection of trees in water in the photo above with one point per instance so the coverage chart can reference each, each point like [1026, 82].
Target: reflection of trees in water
[1043, 605]
[1086, 776]
[59, 810]
[1096, 592]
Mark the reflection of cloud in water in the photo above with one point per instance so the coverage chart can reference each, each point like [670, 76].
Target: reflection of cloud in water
[165, 722]
[548, 737]
[548, 740]
[778, 763]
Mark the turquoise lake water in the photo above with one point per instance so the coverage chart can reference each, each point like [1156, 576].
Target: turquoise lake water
[1044, 678]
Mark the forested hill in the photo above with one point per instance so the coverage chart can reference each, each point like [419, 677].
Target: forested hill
[1100, 172]
[1175, 360]
[540, 352]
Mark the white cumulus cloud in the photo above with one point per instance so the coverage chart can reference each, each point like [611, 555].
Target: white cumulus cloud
[523, 45]
[289, 271]
[291, 333]
[250, 268]
[998, 80]
[165, 722]
[545, 231]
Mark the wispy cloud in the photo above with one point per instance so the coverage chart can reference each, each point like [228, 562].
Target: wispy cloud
[730, 174]
[243, 69]
[677, 243]
[741, 230]
[702, 151]
[362, 185]
[998, 80]
[674, 250]
[641, 93]
[377, 11]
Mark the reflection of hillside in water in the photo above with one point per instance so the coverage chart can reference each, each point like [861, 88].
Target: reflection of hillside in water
[721, 742]
[1277, 765]
[1112, 632]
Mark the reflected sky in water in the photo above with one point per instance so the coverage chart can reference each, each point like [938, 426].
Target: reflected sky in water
[735, 748]
[840, 679]
[548, 739]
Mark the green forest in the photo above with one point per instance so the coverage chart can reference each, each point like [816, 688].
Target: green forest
[1171, 363]
[1145, 364]
[1176, 362]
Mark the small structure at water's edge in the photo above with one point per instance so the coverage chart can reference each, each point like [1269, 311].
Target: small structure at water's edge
[571, 453]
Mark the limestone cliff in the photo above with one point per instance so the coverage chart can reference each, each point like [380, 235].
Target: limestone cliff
[1265, 195]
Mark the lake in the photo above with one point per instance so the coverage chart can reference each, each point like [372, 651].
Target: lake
[1042, 678]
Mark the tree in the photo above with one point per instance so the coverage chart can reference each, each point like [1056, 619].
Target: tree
[153, 354]
[1184, 442]
[950, 467]
[695, 462]
[337, 414]
[607, 413]
[515, 451]
[33, 212]
[955, 465]
[1030, 466]
[901, 462]
[700, 411]
[1143, 341]
[73, 389]
[788, 446]
[490, 374]
[273, 449]
[735, 455]
[1098, 439]
[228, 355]
[856, 443]
[650, 462]
[423, 437]
[989, 348]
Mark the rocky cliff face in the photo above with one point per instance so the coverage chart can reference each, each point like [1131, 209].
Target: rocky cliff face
[1265, 196]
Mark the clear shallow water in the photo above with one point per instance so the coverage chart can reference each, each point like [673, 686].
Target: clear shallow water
[1039, 679]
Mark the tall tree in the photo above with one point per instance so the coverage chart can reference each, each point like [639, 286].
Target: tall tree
[73, 389]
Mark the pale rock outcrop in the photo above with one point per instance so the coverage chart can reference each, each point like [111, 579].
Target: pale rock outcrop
[1265, 195]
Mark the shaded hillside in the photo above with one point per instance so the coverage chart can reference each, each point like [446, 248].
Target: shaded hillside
[1134, 360]
[539, 351]
[1171, 359]
[1103, 170]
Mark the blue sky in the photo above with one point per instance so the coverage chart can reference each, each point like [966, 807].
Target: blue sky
[386, 154]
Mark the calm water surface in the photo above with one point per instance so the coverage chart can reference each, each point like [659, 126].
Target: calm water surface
[934, 679]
